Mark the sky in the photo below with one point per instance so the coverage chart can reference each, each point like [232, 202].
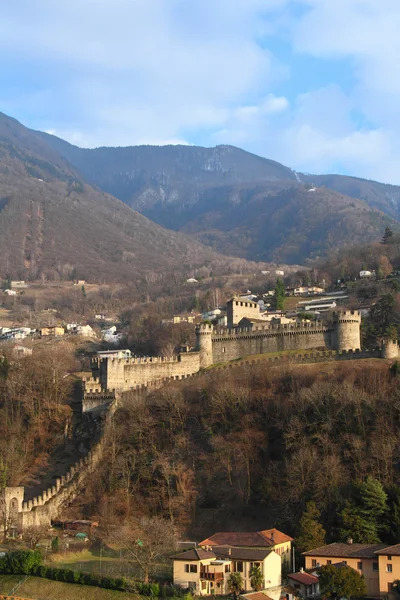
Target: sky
[314, 84]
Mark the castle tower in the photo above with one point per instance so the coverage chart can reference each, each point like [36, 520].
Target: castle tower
[204, 333]
[347, 325]
[11, 499]
[390, 349]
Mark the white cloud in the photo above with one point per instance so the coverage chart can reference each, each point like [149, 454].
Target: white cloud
[123, 72]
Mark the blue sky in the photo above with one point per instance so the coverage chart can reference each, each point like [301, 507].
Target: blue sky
[311, 83]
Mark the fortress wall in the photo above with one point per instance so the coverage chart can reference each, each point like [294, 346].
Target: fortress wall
[97, 400]
[124, 374]
[231, 347]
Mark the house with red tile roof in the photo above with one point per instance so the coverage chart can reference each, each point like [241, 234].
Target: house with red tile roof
[305, 584]
[206, 571]
[267, 538]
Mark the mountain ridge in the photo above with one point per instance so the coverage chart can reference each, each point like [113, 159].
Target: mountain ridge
[54, 224]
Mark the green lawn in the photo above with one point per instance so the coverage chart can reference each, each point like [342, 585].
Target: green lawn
[44, 589]
[109, 564]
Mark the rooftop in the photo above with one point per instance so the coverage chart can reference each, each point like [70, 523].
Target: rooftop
[391, 550]
[241, 553]
[194, 554]
[341, 550]
[305, 578]
[256, 539]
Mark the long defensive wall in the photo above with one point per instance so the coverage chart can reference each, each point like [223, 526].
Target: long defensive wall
[112, 374]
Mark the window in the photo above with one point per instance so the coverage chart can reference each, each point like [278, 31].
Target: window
[390, 587]
[239, 566]
[389, 557]
[328, 562]
[359, 566]
[227, 568]
[187, 568]
[375, 566]
[389, 568]
[313, 562]
[193, 568]
[344, 562]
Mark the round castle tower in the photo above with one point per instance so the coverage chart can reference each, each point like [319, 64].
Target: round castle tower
[390, 349]
[347, 325]
[204, 333]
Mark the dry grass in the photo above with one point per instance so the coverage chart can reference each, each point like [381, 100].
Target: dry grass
[44, 589]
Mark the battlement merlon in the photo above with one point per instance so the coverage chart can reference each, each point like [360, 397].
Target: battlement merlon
[346, 315]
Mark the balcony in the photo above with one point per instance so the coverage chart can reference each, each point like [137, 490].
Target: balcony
[211, 576]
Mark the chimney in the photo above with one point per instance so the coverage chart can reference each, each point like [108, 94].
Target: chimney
[229, 551]
[350, 541]
[272, 536]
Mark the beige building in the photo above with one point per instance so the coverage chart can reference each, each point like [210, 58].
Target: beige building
[362, 558]
[207, 572]
[53, 331]
[268, 538]
[389, 570]
[238, 308]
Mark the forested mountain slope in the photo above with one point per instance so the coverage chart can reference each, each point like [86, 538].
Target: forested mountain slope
[248, 450]
[54, 224]
[237, 202]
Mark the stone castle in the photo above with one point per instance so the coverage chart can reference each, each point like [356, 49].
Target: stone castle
[335, 339]
[111, 375]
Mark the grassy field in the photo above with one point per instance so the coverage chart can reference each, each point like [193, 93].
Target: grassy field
[44, 589]
[109, 564]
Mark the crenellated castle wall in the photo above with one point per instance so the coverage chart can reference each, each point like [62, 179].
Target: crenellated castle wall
[220, 345]
[262, 339]
[121, 375]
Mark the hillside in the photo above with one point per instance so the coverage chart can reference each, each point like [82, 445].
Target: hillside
[382, 196]
[248, 449]
[52, 224]
[237, 202]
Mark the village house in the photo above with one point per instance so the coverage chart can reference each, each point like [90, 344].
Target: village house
[362, 558]
[310, 290]
[52, 331]
[206, 572]
[305, 585]
[268, 538]
[389, 570]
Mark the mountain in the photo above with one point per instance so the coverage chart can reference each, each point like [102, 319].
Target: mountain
[382, 196]
[53, 223]
[237, 202]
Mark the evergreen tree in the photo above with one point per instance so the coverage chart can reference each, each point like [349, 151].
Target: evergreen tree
[355, 526]
[388, 234]
[373, 498]
[55, 542]
[363, 521]
[278, 301]
[311, 532]
[256, 578]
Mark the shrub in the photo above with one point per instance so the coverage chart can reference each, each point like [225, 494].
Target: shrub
[20, 562]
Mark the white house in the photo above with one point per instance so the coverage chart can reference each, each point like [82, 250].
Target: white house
[365, 274]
